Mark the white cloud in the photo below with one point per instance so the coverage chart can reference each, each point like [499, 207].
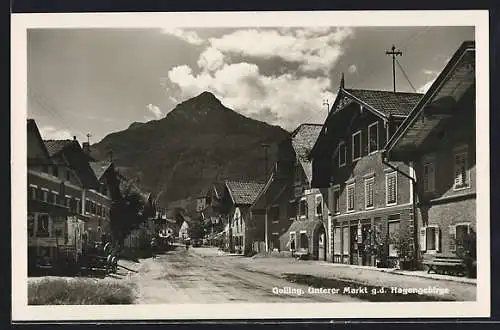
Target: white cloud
[430, 72]
[286, 100]
[188, 36]
[53, 133]
[352, 69]
[211, 59]
[312, 48]
[425, 86]
[154, 110]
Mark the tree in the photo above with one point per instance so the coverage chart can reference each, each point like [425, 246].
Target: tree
[129, 209]
[196, 229]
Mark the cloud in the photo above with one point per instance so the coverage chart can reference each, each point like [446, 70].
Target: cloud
[430, 72]
[425, 87]
[53, 133]
[211, 59]
[154, 110]
[188, 36]
[285, 100]
[352, 69]
[314, 49]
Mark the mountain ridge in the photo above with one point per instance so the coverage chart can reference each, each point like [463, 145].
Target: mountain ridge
[200, 141]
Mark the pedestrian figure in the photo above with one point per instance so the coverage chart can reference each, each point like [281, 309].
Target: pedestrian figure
[153, 248]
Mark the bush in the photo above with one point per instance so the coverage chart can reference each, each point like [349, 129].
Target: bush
[79, 292]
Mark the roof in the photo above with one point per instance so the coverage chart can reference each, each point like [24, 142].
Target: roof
[76, 158]
[100, 168]
[386, 102]
[56, 146]
[454, 84]
[33, 128]
[244, 193]
[303, 139]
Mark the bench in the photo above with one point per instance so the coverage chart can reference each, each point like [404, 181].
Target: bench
[446, 265]
[302, 254]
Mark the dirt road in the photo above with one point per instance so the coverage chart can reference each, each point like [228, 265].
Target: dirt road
[181, 276]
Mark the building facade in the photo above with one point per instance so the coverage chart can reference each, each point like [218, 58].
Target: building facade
[439, 136]
[371, 202]
[295, 214]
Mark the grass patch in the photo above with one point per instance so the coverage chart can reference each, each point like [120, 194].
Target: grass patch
[366, 292]
[79, 292]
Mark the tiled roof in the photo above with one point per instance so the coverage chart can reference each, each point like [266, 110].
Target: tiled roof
[100, 168]
[56, 146]
[387, 102]
[244, 192]
[303, 139]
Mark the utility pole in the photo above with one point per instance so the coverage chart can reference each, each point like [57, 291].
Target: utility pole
[393, 52]
[266, 147]
[327, 104]
[266, 226]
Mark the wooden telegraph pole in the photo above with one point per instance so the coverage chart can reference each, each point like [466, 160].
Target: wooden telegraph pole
[393, 52]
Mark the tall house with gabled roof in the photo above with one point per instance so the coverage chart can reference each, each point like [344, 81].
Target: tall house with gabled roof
[439, 136]
[370, 201]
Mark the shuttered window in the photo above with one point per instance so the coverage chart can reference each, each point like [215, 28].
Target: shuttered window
[356, 145]
[369, 183]
[391, 188]
[461, 177]
[350, 197]
[292, 210]
[319, 205]
[336, 200]
[373, 137]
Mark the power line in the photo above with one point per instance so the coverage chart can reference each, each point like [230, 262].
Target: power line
[42, 102]
[406, 76]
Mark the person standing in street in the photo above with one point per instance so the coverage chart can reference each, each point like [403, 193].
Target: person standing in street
[153, 248]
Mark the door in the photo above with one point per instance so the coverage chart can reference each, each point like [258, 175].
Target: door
[322, 244]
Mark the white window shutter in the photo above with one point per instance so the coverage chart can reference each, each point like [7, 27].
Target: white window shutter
[423, 238]
[451, 237]
[438, 241]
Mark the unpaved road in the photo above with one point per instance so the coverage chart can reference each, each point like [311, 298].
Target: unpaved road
[181, 276]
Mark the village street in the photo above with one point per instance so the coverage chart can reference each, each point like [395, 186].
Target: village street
[204, 275]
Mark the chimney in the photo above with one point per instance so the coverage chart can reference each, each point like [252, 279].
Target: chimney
[74, 137]
[86, 148]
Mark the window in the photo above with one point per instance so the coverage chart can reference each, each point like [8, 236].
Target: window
[350, 197]
[45, 195]
[303, 208]
[33, 193]
[429, 179]
[336, 199]
[292, 209]
[393, 236]
[292, 242]
[31, 224]
[337, 243]
[430, 238]
[342, 154]
[345, 236]
[78, 206]
[461, 175]
[391, 188]
[68, 175]
[356, 146]
[369, 183]
[457, 235]
[42, 228]
[52, 198]
[373, 137]
[319, 205]
[304, 242]
[87, 206]
[298, 173]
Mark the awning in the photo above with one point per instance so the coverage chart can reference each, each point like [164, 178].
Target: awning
[303, 225]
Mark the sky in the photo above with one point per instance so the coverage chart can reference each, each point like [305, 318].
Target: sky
[99, 81]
